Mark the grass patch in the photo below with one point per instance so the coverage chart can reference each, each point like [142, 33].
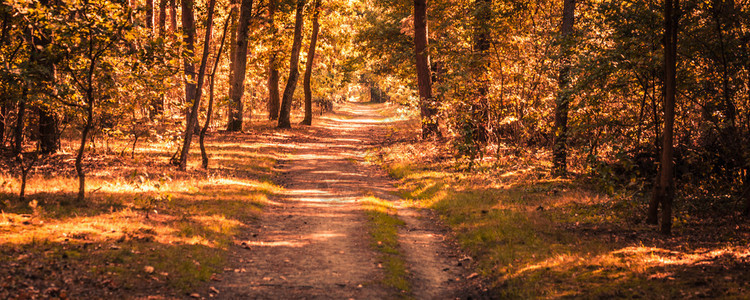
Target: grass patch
[384, 225]
[144, 226]
[532, 236]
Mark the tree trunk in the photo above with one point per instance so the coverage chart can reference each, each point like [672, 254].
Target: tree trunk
[210, 110]
[82, 148]
[664, 188]
[4, 111]
[188, 40]
[150, 15]
[479, 120]
[291, 83]
[309, 66]
[562, 103]
[189, 27]
[49, 135]
[18, 131]
[173, 15]
[162, 22]
[427, 105]
[239, 64]
[273, 71]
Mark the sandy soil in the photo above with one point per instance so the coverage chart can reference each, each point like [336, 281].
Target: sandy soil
[312, 243]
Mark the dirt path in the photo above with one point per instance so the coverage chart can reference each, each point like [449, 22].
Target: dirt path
[313, 242]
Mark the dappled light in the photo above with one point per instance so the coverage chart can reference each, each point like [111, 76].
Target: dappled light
[363, 149]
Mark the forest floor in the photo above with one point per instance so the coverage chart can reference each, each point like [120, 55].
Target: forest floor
[355, 206]
[535, 236]
[300, 213]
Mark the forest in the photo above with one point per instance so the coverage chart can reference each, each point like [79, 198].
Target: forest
[441, 149]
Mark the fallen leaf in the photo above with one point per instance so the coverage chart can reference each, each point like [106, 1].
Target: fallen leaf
[148, 269]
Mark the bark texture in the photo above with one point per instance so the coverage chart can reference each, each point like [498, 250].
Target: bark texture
[150, 15]
[273, 71]
[239, 65]
[173, 15]
[291, 83]
[162, 22]
[562, 103]
[309, 65]
[663, 194]
[427, 105]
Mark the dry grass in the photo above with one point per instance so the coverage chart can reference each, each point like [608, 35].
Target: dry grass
[533, 236]
[143, 227]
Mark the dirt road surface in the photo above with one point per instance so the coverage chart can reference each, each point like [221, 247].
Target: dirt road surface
[313, 241]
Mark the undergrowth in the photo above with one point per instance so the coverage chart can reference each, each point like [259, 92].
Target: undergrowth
[533, 236]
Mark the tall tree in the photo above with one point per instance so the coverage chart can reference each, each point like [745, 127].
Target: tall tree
[162, 21]
[193, 91]
[562, 103]
[210, 109]
[87, 39]
[663, 193]
[49, 135]
[309, 65]
[150, 15]
[173, 15]
[20, 115]
[273, 68]
[476, 126]
[291, 83]
[427, 105]
[239, 65]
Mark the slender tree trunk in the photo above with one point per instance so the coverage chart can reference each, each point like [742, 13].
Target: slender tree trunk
[150, 15]
[162, 22]
[210, 110]
[157, 105]
[188, 40]
[309, 66]
[427, 105]
[20, 115]
[291, 83]
[480, 109]
[664, 188]
[232, 43]
[4, 110]
[239, 64]
[173, 15]
[559, 151]
[189, 26]
[273, 71]
[49, 136]
[82, 148]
